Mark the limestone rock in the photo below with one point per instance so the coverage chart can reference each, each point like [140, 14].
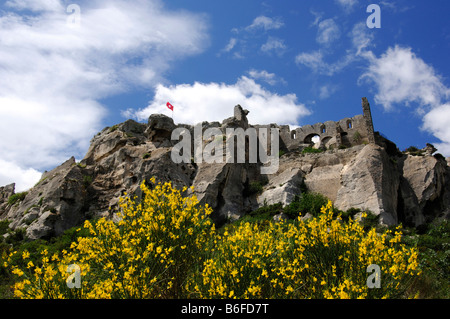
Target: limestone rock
[221, 185]
[307, 216]
[370, 181]
[325, 180]
[5, 193]
[426, 177]
[282, 188]
[280, 217]
[54, 205]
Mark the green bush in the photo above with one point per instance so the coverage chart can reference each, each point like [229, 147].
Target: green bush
[87, 180]
[412, 150]
[16, 198]
[307, 203]
[4, 227]
[113, 128]
[255, 188]
[265, 212]
[312, 150]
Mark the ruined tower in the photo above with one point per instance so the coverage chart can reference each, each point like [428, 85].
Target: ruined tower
[368, 118]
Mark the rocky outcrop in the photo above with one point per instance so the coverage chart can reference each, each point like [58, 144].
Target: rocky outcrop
[370, 181]
[55, 204]
[399, 187]
[425, 177]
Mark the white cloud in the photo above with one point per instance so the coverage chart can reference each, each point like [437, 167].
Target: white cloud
[327, 90]
[215, 102]
[315, 61]
[360, 41]
[274, 44]
[230, 45]
[361, 38]
[328, 32]
[36, 5]
[53, 74]
[401, 77]
[347, 4]
[269, 78]
[437, 122]
[23, 178]
[266, 23]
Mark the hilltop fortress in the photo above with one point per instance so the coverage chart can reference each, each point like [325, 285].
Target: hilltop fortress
[358, 169]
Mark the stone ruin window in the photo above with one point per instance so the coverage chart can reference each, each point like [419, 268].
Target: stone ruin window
[349, 124]
[293, 135]
[322, 129]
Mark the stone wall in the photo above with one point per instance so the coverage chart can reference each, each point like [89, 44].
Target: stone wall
[349, 132]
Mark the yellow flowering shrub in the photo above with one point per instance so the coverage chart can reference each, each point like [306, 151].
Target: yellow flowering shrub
[165, 246]
[147, 254]
[319, 258]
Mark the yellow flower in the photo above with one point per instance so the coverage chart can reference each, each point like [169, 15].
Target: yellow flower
[18, 272]
[25, 254]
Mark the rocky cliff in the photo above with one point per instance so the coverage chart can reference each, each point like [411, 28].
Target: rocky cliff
[406, 188]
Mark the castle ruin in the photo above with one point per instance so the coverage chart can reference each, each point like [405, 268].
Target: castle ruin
[346, 132]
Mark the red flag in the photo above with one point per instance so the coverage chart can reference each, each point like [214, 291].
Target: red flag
[170, 106]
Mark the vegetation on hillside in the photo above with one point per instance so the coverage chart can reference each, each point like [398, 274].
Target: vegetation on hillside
[166, 246]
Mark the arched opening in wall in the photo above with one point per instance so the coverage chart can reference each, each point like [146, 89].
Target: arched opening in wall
[322, 129]
[313, 140]
[293, 135]
[349, 124]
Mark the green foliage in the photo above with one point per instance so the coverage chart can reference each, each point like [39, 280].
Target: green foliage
[306, 203]
[146, 155]
[311, 150]
[113, 128]
[4, 226]
[281, 153]
[87, 180]
[412, 150]
[255, 187]
[265, 212]
[433, 243]
[18, 241]
[16, 198]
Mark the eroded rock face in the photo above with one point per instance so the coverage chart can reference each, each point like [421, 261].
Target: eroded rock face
[426, 177]
[370, 181]
[397, 187]
[55, 204]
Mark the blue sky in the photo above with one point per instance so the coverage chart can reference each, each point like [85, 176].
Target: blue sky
[66, 74]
